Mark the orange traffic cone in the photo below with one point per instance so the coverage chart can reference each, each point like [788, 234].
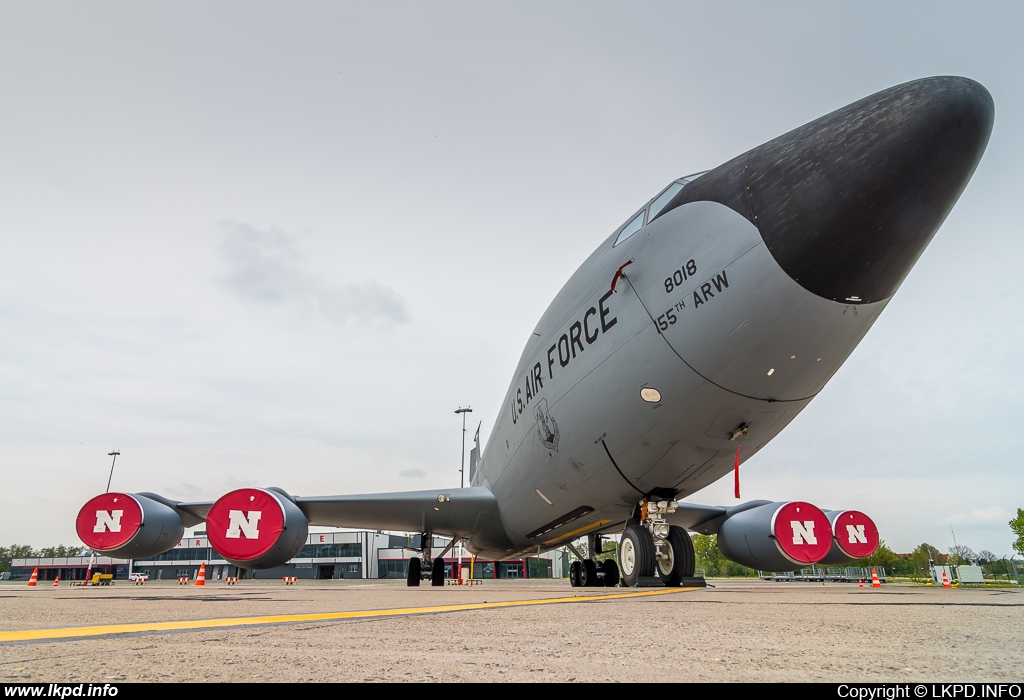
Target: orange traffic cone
[56, 582]
[201, 578]
[861, 582]
[32, 579]
[945, 581]
[875, 583]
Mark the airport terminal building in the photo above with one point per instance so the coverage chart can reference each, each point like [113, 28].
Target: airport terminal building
[326, 555]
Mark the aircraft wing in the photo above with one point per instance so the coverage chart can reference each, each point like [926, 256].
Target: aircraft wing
[191, 513]
[706, 519]
[454, 512]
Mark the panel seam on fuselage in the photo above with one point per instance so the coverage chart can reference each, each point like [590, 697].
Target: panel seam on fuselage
[701, 374]
[616, 465]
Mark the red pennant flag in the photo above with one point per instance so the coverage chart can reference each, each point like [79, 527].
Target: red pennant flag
[736, 471]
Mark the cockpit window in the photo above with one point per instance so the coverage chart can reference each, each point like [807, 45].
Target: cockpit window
[664, 198]
[656, 208]
[629, 229]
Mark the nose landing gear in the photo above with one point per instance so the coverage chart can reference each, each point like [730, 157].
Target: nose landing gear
[652, 552]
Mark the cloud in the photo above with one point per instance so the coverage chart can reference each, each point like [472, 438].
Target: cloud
[367, 301]
[992, 514]
[266, 267]
[187, 491]
[413, 473]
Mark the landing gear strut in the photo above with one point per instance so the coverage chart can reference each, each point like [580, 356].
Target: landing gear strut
[651, 546]
[427, 568]
[588, 572]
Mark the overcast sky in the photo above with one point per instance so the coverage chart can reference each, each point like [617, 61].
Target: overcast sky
[280, 243]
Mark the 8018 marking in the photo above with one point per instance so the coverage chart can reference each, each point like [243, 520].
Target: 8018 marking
[681, 275]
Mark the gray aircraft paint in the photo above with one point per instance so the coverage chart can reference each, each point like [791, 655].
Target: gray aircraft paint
[759, 320]
[710, 366]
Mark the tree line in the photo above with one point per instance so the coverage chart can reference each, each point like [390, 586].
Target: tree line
[24, 551]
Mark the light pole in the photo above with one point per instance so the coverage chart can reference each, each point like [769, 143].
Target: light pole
[92, 553]
[462, 470]
[113, 454]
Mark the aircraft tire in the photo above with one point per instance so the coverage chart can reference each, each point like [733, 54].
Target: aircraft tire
[413, 576]
[682, 558]
[574, 574]
[588, 573]
[611, 573]
[437, 572]
[636, 554]
[689, 557]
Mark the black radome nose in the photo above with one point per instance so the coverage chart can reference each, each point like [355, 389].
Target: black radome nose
[847, 203]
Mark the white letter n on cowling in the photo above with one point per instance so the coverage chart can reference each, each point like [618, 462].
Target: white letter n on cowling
[108, 520]
[239, 524]
[856, 533]
[803, 532]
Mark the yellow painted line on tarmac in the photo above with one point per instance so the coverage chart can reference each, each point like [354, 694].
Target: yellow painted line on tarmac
[181, 625]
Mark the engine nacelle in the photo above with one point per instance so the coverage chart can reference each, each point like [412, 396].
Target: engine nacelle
[776, 536]
[854, 537]
[128, 525]
[256, 528]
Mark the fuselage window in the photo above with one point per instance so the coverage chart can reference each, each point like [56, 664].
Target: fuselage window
[663, 199]
[629, 229]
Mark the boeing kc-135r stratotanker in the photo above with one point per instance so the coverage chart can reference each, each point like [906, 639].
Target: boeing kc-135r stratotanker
[690, 338]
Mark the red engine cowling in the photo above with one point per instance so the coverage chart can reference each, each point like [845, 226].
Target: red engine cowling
[256, 528]
[128, 525]
[776, 536]
[854, 536]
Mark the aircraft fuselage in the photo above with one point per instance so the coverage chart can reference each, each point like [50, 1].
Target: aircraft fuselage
[744, 291]
[687, 340]
[707, 319]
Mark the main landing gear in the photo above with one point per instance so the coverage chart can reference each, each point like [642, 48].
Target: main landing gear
[427, 569]
[651, 547]
[588, 572]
